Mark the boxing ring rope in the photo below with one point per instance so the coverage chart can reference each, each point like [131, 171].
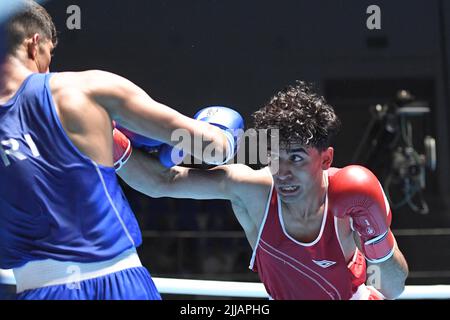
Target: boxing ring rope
[238, 289]
[256, 290]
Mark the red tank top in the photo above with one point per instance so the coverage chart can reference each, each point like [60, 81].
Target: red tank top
[291, 270]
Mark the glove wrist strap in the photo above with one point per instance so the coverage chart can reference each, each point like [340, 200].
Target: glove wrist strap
[381, 248]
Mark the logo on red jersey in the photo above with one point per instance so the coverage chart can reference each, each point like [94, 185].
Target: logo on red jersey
[324, 263]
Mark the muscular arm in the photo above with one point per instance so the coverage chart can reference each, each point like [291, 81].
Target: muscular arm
[133, 108]
[145, 174]
[393, 274]
[243, 186]
[389, 276]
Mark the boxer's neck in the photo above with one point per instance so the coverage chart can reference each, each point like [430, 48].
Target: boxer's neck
[310, 206]
[13, 72]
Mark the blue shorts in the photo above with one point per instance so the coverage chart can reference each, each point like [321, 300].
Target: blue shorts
[129, 284]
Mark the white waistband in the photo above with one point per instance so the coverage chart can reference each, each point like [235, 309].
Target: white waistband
[44, 273]
[7, 277]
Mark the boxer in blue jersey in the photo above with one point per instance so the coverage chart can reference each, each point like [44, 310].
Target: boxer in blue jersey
[66, 229]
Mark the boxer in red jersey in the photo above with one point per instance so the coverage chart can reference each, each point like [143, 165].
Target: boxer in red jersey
[315, 230]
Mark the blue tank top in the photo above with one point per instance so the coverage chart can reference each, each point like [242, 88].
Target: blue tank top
[55, 202]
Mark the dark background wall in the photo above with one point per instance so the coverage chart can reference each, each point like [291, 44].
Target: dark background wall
[190, 54]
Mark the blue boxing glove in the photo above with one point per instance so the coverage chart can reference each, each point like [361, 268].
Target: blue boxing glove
[170, 156]
[230, 121]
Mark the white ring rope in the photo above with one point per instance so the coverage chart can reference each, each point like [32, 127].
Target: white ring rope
[257, 290]
[249, 289]
[211, 288]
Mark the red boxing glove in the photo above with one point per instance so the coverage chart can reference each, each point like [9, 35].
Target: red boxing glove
[122, 149]
[355, 192]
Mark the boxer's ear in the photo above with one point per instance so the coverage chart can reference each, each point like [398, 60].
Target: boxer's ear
[326, 157]
[33, 46]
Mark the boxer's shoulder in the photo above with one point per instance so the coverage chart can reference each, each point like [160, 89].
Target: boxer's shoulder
[332, 171]
[245, 172]
[83, 80]
[252, 189]
[80, 89]
[248, 182]
[78, 113]
[68, 95]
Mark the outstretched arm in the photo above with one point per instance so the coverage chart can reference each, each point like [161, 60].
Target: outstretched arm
[133, 108]
[243, 186]
[144, 173]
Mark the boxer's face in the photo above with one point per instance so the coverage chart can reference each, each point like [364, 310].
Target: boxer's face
[300, 171]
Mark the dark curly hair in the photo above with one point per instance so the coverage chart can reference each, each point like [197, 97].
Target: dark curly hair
[301, 116]
[31, 18]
